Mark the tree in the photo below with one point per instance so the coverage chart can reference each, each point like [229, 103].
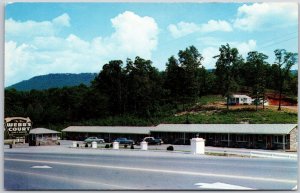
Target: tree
[190, 61]
[257, 62]
[292, 84]
[111, 82]
[185, 77]
[284, 61]
[224, 70]
[174, 79]
[144, 87]
[14, 103]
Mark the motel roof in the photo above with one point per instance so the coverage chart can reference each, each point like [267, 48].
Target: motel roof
[189, 128]
[228, 128]
[108, 129]
[42, 131]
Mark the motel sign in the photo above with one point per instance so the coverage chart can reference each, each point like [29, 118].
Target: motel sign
[17, 126]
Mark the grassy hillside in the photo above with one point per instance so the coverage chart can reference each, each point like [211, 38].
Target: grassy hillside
[209, 110]
[236, 116]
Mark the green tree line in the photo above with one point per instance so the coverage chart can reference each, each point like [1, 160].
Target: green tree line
[137, 88]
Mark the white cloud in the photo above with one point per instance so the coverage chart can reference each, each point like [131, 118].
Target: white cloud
[244, 47]
[46, 52]
[184, 28]
[257, 16]
[263, 16]
[134, 35]
[213, 25]
[20, 55]
[209, 52]
[63, 20]
[28, 29]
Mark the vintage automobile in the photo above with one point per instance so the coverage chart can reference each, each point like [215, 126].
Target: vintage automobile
[153, 141]
[92, 139]
[124, 141]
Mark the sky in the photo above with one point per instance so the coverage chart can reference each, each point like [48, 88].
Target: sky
[43, 38]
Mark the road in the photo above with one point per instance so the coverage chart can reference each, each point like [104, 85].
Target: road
[119, 170]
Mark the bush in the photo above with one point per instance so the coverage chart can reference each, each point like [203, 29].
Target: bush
[170, 148]
[132, 146]
[106, 146]
[86, 145]
[125, 146]
[111, 145]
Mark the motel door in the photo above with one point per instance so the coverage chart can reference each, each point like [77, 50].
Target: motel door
[268, 142]
[32, 140]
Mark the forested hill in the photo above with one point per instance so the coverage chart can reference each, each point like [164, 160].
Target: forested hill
[54, 81]
[135, 92]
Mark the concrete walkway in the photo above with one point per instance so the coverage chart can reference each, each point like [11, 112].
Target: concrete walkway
[66, 148]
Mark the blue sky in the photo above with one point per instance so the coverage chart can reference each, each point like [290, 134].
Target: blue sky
[42, 38]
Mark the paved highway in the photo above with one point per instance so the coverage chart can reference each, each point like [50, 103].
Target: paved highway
[119, 170]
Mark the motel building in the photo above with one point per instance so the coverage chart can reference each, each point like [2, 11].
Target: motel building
[43, 136]
[260, 136]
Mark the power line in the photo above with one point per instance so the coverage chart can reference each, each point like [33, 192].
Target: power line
[280, 36]
[274, 43]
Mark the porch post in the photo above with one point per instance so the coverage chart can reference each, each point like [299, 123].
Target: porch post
[215, 136]
[228, 139]
[283, 142]
[183, 138]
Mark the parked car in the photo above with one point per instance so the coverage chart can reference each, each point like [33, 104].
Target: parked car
[125, 141]
[92, 139]
[153, 141]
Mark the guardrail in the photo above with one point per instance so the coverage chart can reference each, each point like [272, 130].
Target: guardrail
[272, 155]
[252, 154]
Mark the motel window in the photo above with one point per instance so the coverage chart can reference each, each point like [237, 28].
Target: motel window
[260, 138]
[54, 137]
[224, 137]
[278, 139]
[241, 138]
[287, 138]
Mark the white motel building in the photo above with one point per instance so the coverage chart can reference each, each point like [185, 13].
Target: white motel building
[260, 136]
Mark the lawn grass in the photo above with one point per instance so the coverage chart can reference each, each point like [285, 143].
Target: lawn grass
[208, 110]
[236, 116]
[204, 100]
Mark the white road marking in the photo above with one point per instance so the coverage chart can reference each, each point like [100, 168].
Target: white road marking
[157, 170]
[61, 179]
[185, 162]
[221, 186]
[41, 167]
[295, 188]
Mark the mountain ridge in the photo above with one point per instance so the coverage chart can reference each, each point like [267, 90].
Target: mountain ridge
[54, 80]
